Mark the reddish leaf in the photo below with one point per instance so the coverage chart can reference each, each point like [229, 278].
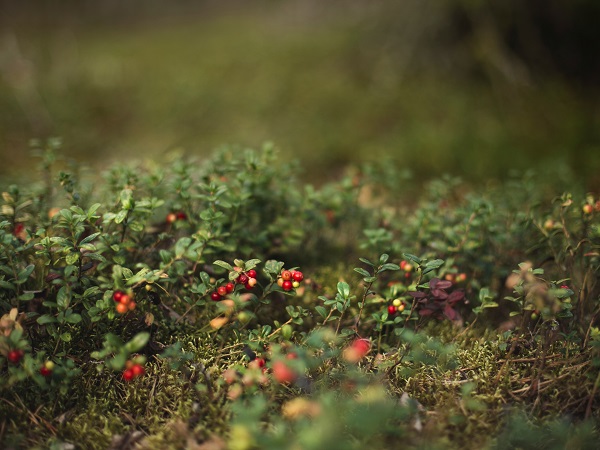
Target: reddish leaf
[450, 313]
[417, 294]
[439, 294]
[455, 297]
[425, 312]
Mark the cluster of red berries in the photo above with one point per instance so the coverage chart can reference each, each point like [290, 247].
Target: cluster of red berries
[289, 279]
[46, 369]
[248, 279]
[396, 306]
[124, 302]
[133, 370]
[15, 356]
[173, 217]
[406, 267]
[456, 277]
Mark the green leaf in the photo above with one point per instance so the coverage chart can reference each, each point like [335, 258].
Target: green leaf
[413, 258]
[223, 264]
[436, 263]
[366, 261]
[46, 318]
[322, 311]
[362, 272]
[251, 264]
[121, 215]
[138, 342]
[389, 266]
[73, 318]
[24, 274]
[181, 245]
[63, 298]
[7, 285]
[343, 288]
[383, 258]
[90, 238]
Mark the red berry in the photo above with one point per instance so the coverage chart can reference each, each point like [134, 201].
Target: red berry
[298, 276]
[258, 363]
[181, 215]
[125, 299]
[131, 306]
[14, 356]
[137, 370]
[286, 275]
[122, 308]
[128, 374]
[242, 279]
[171, 217]
[403, 264]
[117, 296]
[282, 373]
[222, 291]
[564, 286]
[251, 273]
[392, 310]
[362, 346]
[287, 285]
[229, 287]
[45, 372]
[215, 297]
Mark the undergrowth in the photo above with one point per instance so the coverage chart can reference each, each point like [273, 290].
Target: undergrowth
[224, 304]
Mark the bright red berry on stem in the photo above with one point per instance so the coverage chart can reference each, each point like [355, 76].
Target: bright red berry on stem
[229, 287]
[287, 285]
[392, 310]
[251, 273]
[14, 356]
[215, 297]
[298, 276]
[242, 279]
[137, 370]
[222, 291]
[181, 215]
[117, 295]
[45, 372]
[128, 374]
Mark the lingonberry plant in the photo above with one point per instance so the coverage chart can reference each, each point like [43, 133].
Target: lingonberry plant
[222, 304]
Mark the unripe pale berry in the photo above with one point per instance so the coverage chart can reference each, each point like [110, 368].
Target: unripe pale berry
[587, 208]
[295, 284]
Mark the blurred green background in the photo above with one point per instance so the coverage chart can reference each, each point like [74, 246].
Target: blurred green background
[465, 87]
